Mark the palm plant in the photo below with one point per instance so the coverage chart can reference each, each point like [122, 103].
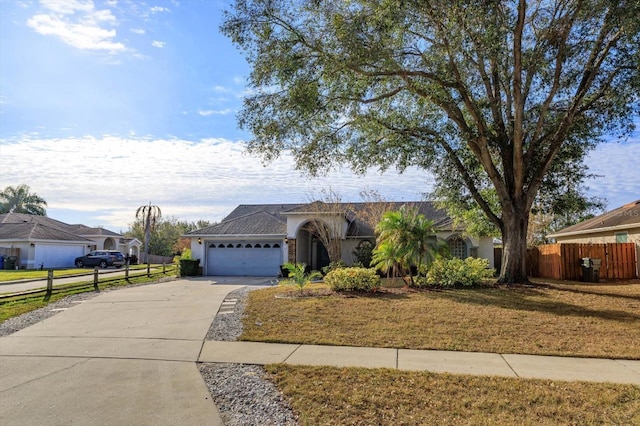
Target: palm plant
[405, 239]
[20, 200]
[149, 216]
[298, 276]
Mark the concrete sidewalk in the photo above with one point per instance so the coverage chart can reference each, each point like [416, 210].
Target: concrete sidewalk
[129, 357]
[474, 363]
[124, 357]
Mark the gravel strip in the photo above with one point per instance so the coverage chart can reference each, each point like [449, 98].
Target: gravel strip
[243, 394]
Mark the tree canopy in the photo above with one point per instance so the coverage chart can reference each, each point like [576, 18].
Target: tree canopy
[20, 199]
[488, 96]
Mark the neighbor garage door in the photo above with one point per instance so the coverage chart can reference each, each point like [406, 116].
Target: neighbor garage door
[244, 258]
[57, 256]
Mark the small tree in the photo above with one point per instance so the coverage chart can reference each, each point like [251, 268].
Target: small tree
[327, 221]
[298, 276]
[405, 239]
[149, 215]
[19, 199]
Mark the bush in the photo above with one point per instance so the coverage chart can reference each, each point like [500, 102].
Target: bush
[332, 266]
[353, 279]
[457, 272]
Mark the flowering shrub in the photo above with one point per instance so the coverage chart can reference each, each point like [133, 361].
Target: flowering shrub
[353, 279]
[453, 272]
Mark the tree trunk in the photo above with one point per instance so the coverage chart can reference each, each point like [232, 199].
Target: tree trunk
[514, 246]
[334, 250]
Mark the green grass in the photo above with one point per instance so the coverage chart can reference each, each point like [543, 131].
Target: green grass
[357, 396]
[30, 274]
[14, 306]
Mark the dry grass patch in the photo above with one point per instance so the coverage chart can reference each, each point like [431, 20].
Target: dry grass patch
[352, 396]
[587, 320]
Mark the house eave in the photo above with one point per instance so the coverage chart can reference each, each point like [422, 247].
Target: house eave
[236, 236]
[594, 231]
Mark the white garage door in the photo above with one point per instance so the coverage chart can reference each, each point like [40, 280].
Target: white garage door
[258, 259]
[57, 256]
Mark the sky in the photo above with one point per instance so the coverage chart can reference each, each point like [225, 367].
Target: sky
[109, 105]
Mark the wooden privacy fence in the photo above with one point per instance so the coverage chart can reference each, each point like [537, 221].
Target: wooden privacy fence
[561, 261]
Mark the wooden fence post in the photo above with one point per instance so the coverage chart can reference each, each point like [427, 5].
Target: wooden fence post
[49, 285]
[126, 271]
[164, 268]
[95, 279]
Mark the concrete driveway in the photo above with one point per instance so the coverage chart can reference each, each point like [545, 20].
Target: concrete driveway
[122, 358]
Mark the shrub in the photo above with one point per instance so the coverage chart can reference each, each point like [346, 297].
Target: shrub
[333, 265]
[353, 279]
[457, 272]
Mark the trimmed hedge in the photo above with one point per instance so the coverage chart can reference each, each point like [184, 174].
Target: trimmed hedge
[353, 279]
[457, 272]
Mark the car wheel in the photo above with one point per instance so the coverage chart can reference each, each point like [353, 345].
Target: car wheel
[103, 264]
[79, 264]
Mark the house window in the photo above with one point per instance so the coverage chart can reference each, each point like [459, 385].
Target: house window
[622, 237]
[458, 247]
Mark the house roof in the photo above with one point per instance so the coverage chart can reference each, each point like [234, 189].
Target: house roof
[254, 223]
[79, 231]
[271, 219]
[30, 231]
[627, 216]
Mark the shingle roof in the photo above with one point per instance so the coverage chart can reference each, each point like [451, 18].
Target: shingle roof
[627, 215]
[262, 219]
[36, 231]
[77, 230]
[254, 223]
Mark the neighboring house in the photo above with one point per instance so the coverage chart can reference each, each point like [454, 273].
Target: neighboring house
[42, 242]
[254, 240]
[621, 225]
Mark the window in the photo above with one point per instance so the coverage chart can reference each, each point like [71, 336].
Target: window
[257, 246]
[458, 247]
[622, 237]
[267, 245]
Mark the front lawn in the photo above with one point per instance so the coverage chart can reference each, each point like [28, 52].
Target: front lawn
[357, 396]
[585, 320]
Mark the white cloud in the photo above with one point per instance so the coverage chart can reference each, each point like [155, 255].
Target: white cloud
[108, 178]
[158, 9]
[616, 165]
[158, 44]
[206, 113]
[78, 24]
[138, 31]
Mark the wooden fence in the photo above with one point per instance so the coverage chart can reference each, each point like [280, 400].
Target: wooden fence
[562, 261]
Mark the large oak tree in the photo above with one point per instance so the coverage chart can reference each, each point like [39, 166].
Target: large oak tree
[487, 95]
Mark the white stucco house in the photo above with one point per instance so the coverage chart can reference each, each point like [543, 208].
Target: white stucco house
[43, 242]
[255, 240]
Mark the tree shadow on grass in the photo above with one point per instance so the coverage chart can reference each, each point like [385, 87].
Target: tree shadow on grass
[535, 300]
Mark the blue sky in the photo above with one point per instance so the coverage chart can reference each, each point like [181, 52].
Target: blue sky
[109, 105]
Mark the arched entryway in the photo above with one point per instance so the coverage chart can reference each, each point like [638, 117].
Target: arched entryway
[109, 244]
[310, 249]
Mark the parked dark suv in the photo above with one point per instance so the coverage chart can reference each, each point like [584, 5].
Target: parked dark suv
[101, 258]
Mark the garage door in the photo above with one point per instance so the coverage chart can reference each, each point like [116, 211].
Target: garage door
[244, 258]
[57, 256]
